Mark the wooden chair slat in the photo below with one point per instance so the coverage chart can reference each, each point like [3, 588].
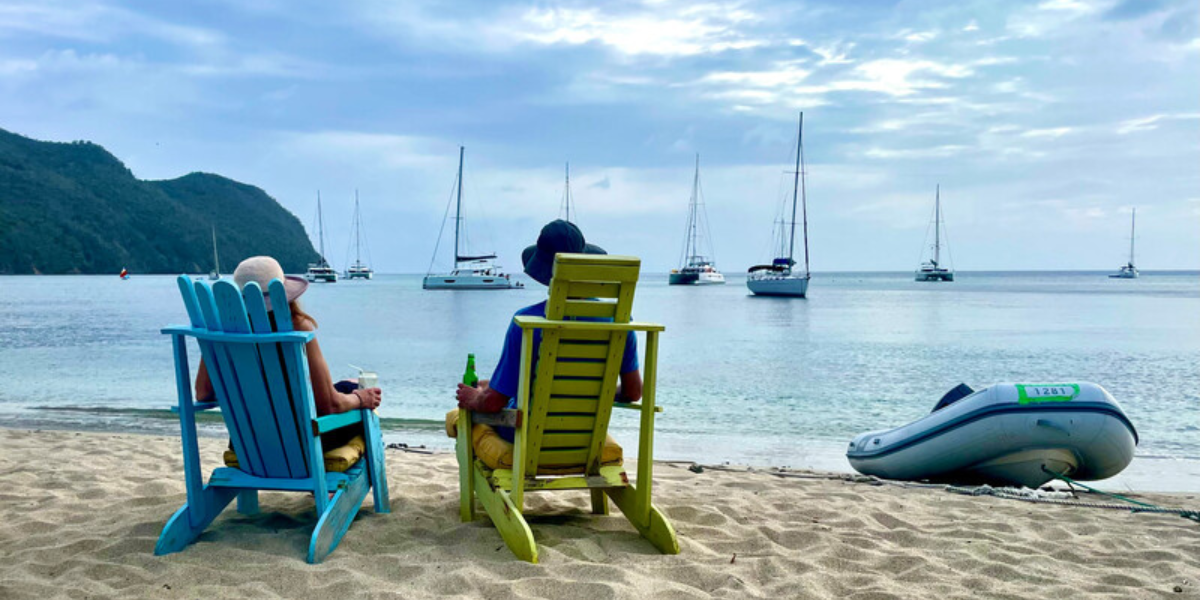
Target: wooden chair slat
[294, 451]
[585, 406]
[569, 422]
[591, 309]
[587, 351]
[556, 439]
[559, 457]
[589, 289]
[583, 388]
[592, 369]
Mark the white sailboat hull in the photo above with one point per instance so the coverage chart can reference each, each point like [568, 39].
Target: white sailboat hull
[468, 282]
[778, 285]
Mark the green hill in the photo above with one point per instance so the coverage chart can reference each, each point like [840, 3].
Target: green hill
[74, 208]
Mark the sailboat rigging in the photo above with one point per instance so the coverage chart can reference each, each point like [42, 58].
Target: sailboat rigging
[358, 270]
[1128, 271]
[696, 269]
[215, 274]
[781, 278]
[321, 271]
[471, 272]
[568, 201]
[933, 269]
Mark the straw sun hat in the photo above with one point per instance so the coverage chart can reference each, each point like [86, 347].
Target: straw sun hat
[261, 270]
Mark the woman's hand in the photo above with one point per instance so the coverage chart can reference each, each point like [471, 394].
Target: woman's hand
[369, 398]
[468, 397]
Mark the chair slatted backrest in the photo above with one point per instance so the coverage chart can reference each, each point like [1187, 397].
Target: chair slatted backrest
[577, 369]
[262, 388]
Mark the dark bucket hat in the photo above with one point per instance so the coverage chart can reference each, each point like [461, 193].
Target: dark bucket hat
[557, 236]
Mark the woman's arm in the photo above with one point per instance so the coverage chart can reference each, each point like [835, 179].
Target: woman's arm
[204, 387]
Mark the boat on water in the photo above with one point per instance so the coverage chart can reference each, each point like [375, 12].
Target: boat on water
[696, 268]
[1006, 434]
[215, 274]
[781, 277]
[932, 270]
[321, 271]
[471, 272]
[1128, 271]
[358, 270]
[568, 201]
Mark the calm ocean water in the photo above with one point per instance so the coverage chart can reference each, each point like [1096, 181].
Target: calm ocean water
[749, 380]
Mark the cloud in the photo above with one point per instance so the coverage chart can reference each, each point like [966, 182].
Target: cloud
[1152, 122]
[698, 29]
[601, 184]
[98, 22]
[1053, 132]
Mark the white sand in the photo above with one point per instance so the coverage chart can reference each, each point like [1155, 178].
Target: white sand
[80, 513]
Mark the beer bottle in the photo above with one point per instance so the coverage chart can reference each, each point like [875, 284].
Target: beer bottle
[469, 376]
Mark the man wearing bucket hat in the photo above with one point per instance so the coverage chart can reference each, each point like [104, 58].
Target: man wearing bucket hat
[500, 391]
[328, 397]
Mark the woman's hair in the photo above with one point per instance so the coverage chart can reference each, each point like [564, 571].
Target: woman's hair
[298, 313]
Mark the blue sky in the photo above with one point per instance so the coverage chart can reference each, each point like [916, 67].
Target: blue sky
[1044, 122]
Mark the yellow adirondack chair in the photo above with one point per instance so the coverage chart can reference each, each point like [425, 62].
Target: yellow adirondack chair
[562, 417]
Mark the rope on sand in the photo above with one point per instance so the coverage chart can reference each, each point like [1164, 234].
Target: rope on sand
[1061, 498]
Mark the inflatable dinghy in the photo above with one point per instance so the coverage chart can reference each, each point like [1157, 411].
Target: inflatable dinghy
[1006, 434]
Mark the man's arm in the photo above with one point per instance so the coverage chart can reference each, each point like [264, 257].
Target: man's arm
[630, 388]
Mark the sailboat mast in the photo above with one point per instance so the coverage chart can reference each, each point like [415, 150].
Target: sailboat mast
[937, 225]
[567, 194]
[796, 190]
[320, 228]
[216, 261]
[458, 205]
[357, 227]
[693, 218]
[1132, 228]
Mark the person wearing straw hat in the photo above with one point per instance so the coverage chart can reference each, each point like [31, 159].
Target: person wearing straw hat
[329, 397]
[499, 392]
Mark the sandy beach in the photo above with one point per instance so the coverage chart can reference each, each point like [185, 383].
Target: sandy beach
[80, 513]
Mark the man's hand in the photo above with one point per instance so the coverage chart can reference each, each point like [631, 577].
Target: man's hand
[468, 397]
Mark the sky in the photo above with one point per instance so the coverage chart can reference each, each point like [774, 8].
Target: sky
[1044, 123]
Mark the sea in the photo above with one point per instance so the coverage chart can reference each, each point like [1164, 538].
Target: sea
[743, 380]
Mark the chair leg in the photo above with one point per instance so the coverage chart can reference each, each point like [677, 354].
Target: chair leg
[466, 466]
[247, 502]
[190, 521]
[336, 519]
[376, 465]
[599, 502]
[507, 519]
[657, 529]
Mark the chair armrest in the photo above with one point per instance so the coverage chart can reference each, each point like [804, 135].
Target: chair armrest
[245, 338]
[199, 406]
[330, 422]
[635, 406]
[544, 323]
[509, 417]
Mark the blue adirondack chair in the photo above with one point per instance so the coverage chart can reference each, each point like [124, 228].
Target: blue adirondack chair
[260, 376]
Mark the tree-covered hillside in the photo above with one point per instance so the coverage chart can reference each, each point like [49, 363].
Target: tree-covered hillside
[75, 208]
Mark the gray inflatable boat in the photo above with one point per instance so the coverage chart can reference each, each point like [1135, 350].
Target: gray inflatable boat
[1005, 434]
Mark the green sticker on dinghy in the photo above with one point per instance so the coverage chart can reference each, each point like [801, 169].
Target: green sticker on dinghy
[1035, 393]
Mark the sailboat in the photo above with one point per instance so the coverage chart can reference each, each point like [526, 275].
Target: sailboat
[695, 269]
[781, 277]
[470, 272]
[215, 274]
[1128, 271]
[321, 271]
[568, 201]
[358, 270]
[933, 269]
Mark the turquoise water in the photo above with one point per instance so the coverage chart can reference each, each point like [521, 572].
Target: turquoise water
[748, 380]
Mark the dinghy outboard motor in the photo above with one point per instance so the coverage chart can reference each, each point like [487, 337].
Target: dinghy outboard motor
[1005, 434]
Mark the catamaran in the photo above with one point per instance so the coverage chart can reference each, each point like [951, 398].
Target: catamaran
[933, 269]
[471, 272]
[321, 271]
[781, 277]
[1128, 271]
[215, 274]
[358, 270]
[696, 269]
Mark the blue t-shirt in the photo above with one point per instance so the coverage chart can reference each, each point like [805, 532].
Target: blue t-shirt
[507, 376]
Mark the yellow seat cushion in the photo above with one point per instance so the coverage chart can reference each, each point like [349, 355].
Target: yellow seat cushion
[337, 460]
[497, 453]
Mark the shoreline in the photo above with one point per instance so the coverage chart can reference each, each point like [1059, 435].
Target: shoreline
[90, 506]
[1145, 474]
